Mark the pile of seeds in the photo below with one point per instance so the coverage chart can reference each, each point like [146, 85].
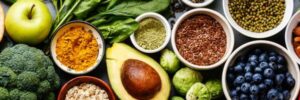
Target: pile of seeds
[257, 15]
[201, 40]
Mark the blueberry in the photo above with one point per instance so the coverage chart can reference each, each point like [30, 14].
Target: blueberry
[248, 76]
[263, 57]
[233, 93]
[238, 69]
[273, 65]
[273, 58]
[281, 68]
[263, 65]
[238, 89]
[239, 80]
[254, 89]
[269, 73]
[280, 96]
[253, 63]
[230, 77]
[253, 97]
[287, 74]
[252, 58]
[272, 53]
[230, 70]
[241, 64]
[290, 81]
[257, 51]
[279, 79]
[245, 87]
[272, 94]
[281, 59]
[243, 97]
[286, 94]
[247, 69]
[235, 98]
[262, 86]
[268, 83]
[258, 70]
[257, 78]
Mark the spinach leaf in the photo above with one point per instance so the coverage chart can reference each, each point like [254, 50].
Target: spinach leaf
[133, 8]
[85, 7]
[119, 29]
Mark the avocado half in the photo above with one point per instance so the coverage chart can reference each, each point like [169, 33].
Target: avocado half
[134, 75]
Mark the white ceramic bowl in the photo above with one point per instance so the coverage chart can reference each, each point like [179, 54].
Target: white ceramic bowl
[292, 65]
[226, 26]
[95, 33]
[166, 24]
[289, 35]
[197, 5]
[289, 5]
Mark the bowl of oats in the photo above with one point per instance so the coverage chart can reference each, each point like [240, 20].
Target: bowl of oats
[86, 88]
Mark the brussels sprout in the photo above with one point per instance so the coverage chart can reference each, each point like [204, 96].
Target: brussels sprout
[198, 92]
[169, 61]
[176, 98]
[184, 79]
[215, 88]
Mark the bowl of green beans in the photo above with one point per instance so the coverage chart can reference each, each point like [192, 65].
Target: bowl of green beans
[258, 18]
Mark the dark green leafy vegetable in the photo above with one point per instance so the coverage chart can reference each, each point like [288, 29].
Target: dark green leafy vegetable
[85, 7]
[118, 30]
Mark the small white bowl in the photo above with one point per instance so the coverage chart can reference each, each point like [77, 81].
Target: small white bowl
[289, 4]
[95, 33]
[226, 27]
[289, 35]
[197, 5]
[292, 65]
[166, 24]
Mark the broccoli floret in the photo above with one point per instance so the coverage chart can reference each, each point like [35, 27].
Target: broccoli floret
[4, 95]
[28, 81]
[15, 94]
[50, 96]
[28, 72]
[44, 87]
[7, 77]
[28, 96]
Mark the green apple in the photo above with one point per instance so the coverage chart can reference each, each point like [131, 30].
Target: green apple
[28, 21]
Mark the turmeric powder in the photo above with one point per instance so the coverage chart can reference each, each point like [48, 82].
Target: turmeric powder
[77, 48]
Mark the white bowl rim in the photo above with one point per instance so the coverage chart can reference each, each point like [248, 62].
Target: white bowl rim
[288, 44]
[63, 67]
[166, 24]
[228, 49]
[226, 66]
[287, 15]
[197, 5]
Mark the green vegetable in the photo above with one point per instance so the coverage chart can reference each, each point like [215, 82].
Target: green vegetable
[50, 96]
[198, 92]
[169, 61]
[184, 79]
[85, 7]
[133, 8]
[4, 94]
[176, 98]
[30, 73]
[119, 29]
[7, 77]
[215, 88]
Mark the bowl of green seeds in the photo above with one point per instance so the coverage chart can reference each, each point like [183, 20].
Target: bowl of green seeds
[153, 34]
[258, 18]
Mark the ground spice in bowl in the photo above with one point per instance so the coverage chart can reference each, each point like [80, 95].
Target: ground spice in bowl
[201, 40]
[77, 48]
[151, 34]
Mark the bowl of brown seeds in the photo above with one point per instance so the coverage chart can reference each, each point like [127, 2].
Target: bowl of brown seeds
[258, 18]
[202, 39]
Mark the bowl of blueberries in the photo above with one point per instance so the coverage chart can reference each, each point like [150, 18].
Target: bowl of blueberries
[260, 70]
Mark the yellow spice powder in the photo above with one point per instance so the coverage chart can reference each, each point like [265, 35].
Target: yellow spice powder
[77, 48]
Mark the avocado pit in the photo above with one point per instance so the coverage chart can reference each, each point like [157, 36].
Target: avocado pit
[139, 79]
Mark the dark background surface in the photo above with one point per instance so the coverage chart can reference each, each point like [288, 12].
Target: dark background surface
[177, 9]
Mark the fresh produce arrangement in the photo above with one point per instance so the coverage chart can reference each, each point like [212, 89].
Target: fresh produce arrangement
[144, 50]
[260, 74]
